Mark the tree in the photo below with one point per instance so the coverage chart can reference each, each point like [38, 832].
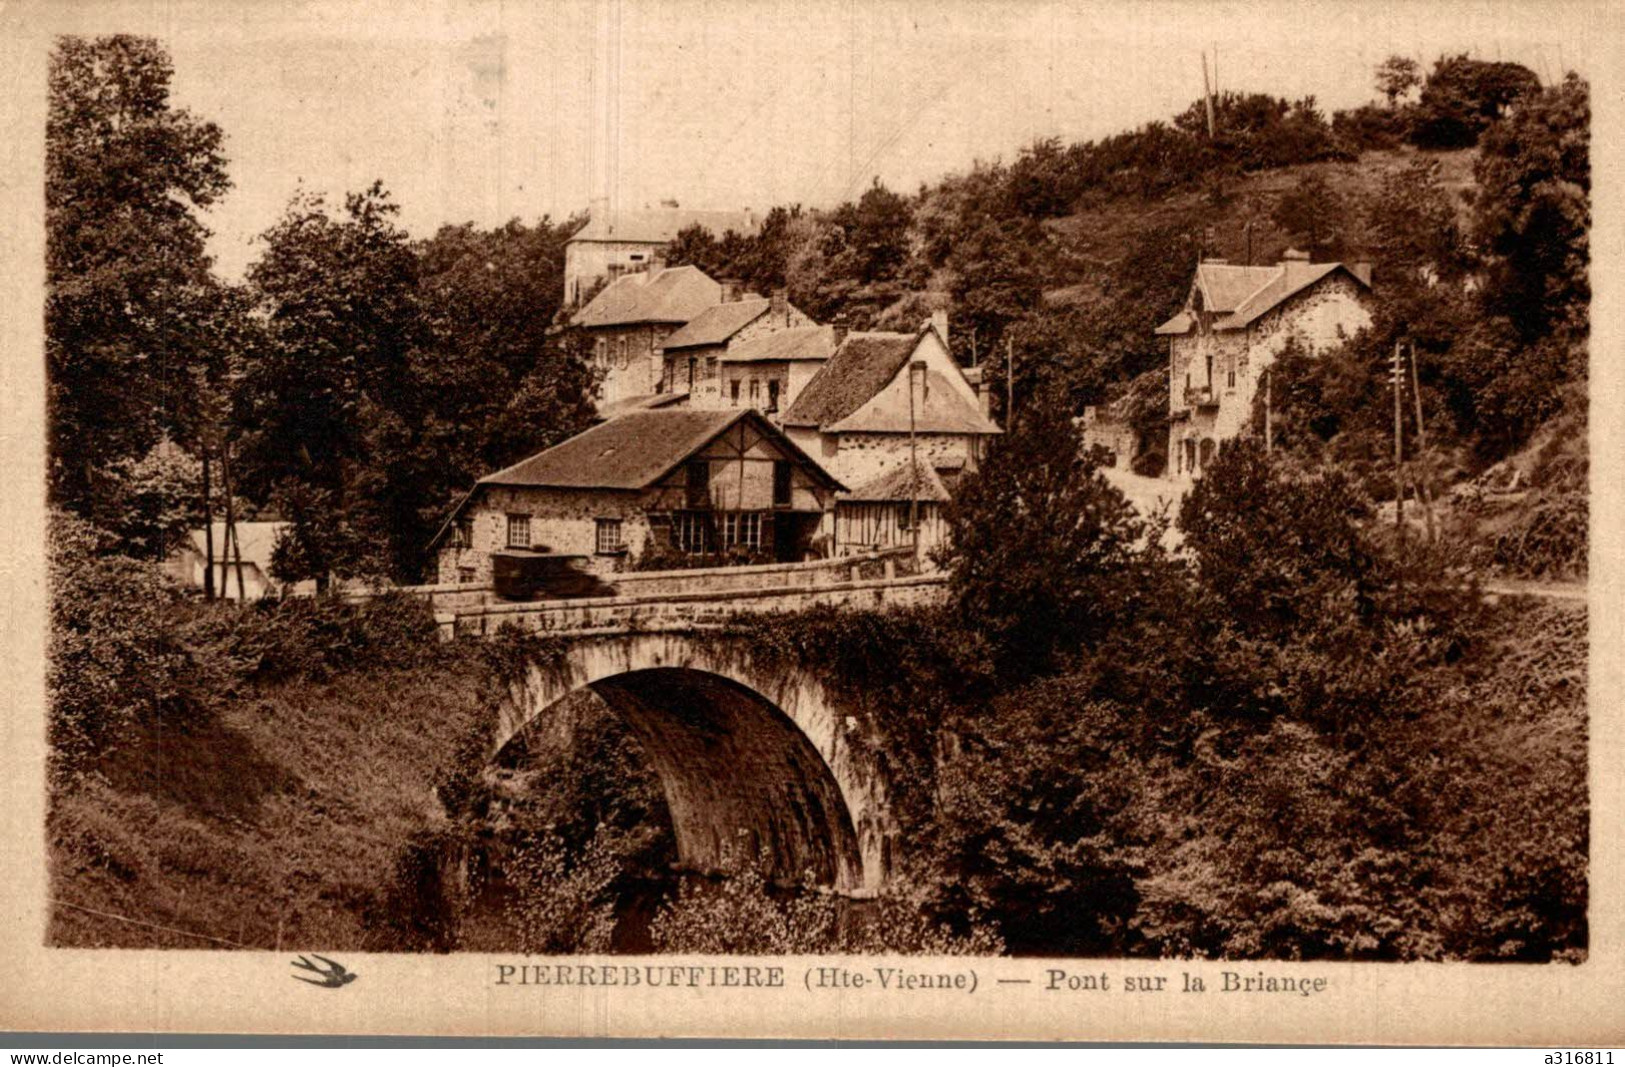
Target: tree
[125, 261]
[870, 239]
[1279, 549]
[695, 246]
[1043, 550]
[339, 296]
[1396, 77]
[1463, 96]
[1312, 208]
[1532, 214]
[1413, 226]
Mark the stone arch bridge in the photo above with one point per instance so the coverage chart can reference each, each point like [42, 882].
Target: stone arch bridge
[758, 756]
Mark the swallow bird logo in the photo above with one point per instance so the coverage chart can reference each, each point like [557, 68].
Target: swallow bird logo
[333, 974]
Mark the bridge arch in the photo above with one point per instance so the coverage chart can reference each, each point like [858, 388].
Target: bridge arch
[755, 756]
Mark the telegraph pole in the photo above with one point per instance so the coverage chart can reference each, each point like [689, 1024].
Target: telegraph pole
[913, 471]
[1424, 491]
[1009, 384]
[1399, 455]
[1269, 410]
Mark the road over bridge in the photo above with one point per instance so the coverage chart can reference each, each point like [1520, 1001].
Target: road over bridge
[758, 756]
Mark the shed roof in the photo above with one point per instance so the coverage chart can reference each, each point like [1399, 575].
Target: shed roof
[898, 484]
[717, 323]
[659, 226]
[674, 294]
[859, 369]
[796, 343]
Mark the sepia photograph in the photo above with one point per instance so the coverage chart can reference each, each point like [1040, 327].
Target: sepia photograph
[1012, 500]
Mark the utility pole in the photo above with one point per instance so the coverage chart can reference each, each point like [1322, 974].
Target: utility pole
[1207, 97]
[208, 530]
[1009, 384]
[1424, 491]
[913, 471]
[1269, 411]
[1399, 455]
[233, 541]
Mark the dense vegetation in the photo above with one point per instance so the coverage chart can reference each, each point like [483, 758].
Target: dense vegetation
[1299, 737]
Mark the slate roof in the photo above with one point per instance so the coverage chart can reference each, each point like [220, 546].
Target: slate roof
[646, 402]
[1241, 295]
[858, 370]
[940, 408]
[636, 450]
[717, 323]
[796, 343]
[897, 485]
[661, 225]
[675, 294]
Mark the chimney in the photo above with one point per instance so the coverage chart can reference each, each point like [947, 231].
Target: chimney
[778, 307]
[730, 290]
[1293, 255]
[939, 321]
[840, 330]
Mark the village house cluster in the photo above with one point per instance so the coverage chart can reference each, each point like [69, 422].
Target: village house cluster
[736, 427]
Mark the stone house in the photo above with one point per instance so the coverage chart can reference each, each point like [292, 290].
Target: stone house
[880, 401]
[692, 355]
[1105, 427]
[768, 371]
[629, 321]
[1235, 322]
[679, 480]
[613, 243]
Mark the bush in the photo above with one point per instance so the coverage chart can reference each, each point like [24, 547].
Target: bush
[113, 663]
[1043, 550]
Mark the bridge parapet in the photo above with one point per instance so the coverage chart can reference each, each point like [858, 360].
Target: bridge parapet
[691, 608]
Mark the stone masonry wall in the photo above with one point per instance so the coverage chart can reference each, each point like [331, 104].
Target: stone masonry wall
[563, 520]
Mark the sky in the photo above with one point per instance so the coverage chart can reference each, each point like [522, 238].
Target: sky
[486, 110]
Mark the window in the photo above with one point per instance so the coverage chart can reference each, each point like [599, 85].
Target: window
[636, 257]
[692, 531]
[733, 390]
[742, 528]
[600, 350]
[755, 393]
[462, 535]
[518, 531]
[772, 394]
[781, 482]
[699, 483]
[609, 541]
[465, 575]
[620, 351]
[903, 520]
[691, 366]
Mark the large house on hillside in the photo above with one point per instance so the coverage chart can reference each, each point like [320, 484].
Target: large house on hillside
[673, 480]
[613, 243]
[1235, 322]
[878, 401]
